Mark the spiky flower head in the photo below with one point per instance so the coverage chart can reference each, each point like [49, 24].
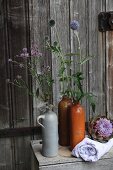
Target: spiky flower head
[103, 127]
[74, 25]
[51, 23]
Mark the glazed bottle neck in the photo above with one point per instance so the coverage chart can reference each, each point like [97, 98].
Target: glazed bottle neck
[77, 103]
[65, 98]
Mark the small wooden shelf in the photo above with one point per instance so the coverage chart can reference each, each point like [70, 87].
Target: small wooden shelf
[65, 161]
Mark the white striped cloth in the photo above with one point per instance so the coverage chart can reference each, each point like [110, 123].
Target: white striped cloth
[90, 150]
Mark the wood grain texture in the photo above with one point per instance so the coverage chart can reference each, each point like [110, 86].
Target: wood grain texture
[39, 29]
[22, 153]
[17, 41]
[78, 11]
[6, 152]
[4, 103]
[69, 162]
[97, 78]
[109, 65]
[16, 33]
[59, 11]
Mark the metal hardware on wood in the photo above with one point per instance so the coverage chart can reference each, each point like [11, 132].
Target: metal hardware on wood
[105, 21]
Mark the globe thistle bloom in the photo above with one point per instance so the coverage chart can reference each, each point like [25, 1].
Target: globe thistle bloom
[51, 23]
[74, 25]
[103, 127]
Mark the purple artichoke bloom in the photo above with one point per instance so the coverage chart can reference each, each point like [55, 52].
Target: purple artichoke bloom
[103, 127]
[74, 25]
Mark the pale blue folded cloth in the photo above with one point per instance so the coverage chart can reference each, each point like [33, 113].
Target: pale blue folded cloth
[90, 150]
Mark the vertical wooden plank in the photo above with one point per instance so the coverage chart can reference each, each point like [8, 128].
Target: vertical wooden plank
[18, 39]
[78, 11]
[59, 11]
[4, 104]
[109, 65]
[39, 17]
[6, 152]
[97, 78]
[22, 153]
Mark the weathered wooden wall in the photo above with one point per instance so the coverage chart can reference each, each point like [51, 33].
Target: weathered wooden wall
[23, 21]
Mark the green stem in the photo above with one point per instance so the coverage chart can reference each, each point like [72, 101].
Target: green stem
[76, 33]
[61, 57]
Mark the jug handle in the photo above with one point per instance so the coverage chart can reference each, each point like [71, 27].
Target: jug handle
[38, 120]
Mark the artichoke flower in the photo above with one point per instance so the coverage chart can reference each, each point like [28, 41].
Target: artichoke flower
[101, 129]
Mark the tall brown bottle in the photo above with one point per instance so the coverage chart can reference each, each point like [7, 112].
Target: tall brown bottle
[77, 124]
[63, 120]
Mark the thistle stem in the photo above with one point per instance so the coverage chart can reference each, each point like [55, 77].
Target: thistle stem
[76, 34]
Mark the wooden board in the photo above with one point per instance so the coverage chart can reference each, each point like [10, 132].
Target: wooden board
[96, 47]
[6, 152]
[61, 162]
[18, 39]
[59, 11]
[109, 65]
[39, 29]
[78, 11]
[26, 21]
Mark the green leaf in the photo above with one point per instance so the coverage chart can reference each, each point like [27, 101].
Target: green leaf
[84, 60]
[90, 98]
[72, 54]
[93, 106]
[68, 62]
[61, 71]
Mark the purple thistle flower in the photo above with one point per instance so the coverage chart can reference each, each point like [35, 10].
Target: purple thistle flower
[10, 60]
[24, 53]
[7, 80]
[103, 127]
[34, 51]
[19, 77]
[24, 50]
[74, 25]
[21, 65]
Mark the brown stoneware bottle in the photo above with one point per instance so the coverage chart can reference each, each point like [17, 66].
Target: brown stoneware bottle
[63, 120]
[77, 124]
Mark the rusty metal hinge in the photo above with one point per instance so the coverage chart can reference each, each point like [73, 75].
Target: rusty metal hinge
[105, 21]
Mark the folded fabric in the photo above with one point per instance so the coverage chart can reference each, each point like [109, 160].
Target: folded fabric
[90, 150]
